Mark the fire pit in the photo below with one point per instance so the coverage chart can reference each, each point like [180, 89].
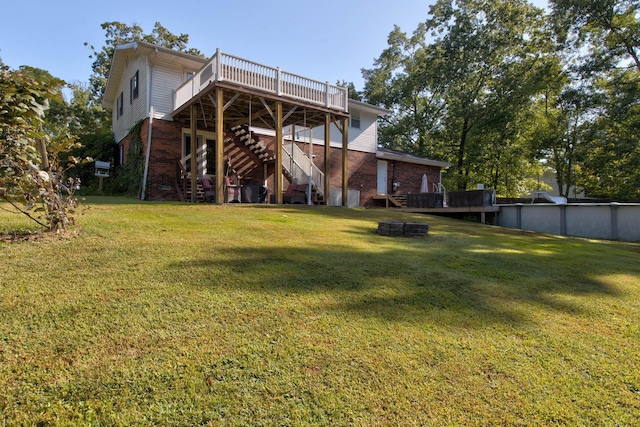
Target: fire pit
[402, 228]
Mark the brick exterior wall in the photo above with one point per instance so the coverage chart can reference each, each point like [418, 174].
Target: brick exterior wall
[165, 151]
[409, 176]
[362, 167]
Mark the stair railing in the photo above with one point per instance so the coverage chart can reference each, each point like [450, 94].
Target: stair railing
[439, 188]
[181, 176]
[297, 164]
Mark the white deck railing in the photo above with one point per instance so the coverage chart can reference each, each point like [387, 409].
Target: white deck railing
[223, 67]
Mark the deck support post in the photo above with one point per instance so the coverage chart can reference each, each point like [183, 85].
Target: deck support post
[278, 172]
[345, 152]
[327, 159]
[194, 154]
[219, 145]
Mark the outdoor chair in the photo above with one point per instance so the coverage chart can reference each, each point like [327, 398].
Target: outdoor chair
[209, 191]
[233, 191]
[295, 194]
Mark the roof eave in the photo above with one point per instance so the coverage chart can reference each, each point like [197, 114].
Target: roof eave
[117, 64]
[359, 105]
[407, 158]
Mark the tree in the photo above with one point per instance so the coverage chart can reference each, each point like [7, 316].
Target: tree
[608, 29]
[462, 94]
[611, 166]
[32, 180]
[87, 119]
[352, 92]
[402, 83]
[606, 34]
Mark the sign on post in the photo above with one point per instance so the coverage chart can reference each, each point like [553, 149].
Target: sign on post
[101, 171]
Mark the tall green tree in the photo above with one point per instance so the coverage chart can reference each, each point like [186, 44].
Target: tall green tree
[458, 86]
[87, 119]
[400, 83]
[606, 35]
[611, 166]
[609, 30]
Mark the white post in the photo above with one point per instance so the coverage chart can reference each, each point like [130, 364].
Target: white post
[326, 94]
[278, 81]
[309, 201]
[218, 60]
[346, 99]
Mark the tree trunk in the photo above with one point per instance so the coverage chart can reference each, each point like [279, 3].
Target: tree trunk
[462, 184]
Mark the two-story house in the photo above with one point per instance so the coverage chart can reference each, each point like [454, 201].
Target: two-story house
[276, 129]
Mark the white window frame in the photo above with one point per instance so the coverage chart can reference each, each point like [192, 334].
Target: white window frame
[201, 148]
[354, 119]
[120, 106]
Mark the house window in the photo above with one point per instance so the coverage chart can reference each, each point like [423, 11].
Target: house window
[120, 107]
[133, 88]
[355, 120]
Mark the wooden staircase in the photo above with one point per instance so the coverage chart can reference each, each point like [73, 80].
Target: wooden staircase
[398, 200]
[199, 193]
[183, 185]
[242, 134]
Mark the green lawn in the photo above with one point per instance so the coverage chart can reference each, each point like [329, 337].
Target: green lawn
[178, 314]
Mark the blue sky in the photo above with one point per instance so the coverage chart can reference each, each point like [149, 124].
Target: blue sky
[329, 41]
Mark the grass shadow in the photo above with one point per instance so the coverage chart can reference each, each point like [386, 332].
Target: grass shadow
[417, 279]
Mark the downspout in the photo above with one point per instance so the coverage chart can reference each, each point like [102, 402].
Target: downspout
[146, 160]
[309, 201]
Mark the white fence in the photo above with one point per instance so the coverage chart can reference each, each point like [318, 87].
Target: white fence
[615, 221]
[224, 67]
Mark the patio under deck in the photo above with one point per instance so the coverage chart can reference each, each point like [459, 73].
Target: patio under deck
[230, 91]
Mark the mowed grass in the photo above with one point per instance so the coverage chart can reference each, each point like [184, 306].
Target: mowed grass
[179, 314]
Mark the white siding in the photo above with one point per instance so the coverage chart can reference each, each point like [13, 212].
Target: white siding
[166, 78]
[138, 108]
[363, 139]
[366, 138]
[163, 77]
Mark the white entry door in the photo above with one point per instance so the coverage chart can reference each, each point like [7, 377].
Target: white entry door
[205, 153]
[382, 177]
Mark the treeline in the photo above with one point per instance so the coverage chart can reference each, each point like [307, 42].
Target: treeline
[504, 91]
[499, 88]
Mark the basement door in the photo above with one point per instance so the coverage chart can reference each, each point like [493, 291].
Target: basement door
[205, 153]
[382, 177]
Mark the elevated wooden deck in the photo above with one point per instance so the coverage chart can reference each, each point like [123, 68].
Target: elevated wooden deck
[230, 92]
[472, 209]
[223, 68]
[448, 211]
[399, 203]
